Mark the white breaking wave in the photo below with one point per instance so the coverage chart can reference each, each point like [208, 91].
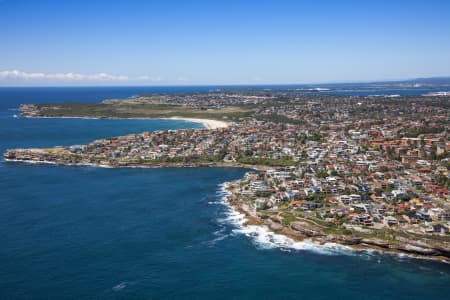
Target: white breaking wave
[46, 162]
[220, 235]
[266, 239]
[119, 286]
[263, 238]
[215, 202]
[122, 285]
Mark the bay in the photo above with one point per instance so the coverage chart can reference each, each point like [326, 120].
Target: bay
[98, 233]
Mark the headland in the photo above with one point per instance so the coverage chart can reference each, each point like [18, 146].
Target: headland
[367, 172]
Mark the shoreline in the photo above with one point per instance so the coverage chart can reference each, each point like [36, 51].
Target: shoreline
[207, 123]
[298, 230]
[143, 166]
[333, 241]
[253, 219]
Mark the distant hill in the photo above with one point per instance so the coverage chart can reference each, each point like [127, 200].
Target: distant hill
[430, 81]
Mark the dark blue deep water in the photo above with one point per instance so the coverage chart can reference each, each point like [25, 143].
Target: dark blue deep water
[94, 233]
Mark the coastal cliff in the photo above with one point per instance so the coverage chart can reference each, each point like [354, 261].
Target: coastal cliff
[420, 247]
[296, 228]
[63, 156]
[330, 170]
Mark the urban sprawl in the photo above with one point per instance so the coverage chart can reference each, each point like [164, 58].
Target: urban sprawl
[361, 171]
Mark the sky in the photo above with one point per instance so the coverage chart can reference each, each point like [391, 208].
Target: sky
[175, 42]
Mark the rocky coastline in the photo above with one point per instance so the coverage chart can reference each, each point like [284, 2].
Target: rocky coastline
[298, 230]
[304, 230]
[59, 156]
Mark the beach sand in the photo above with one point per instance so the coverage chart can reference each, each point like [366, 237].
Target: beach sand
[210, 124]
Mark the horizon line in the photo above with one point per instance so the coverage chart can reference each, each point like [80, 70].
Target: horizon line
[228, 84]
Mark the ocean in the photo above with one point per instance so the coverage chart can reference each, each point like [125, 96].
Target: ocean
[102, 233]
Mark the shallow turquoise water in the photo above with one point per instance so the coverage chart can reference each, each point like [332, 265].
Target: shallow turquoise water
[94, 233]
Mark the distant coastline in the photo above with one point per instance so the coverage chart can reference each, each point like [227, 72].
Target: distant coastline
[320, 180]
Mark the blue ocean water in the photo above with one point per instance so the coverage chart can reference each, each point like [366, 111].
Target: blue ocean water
[96, 233]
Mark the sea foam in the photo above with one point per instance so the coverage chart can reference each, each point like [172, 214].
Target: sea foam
[263, 238]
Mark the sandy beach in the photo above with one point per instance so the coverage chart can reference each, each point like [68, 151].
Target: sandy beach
[210, 124]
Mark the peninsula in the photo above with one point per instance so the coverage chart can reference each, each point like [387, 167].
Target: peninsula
[369, 172]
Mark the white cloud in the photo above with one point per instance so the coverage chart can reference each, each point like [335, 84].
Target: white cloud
[15, 74]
